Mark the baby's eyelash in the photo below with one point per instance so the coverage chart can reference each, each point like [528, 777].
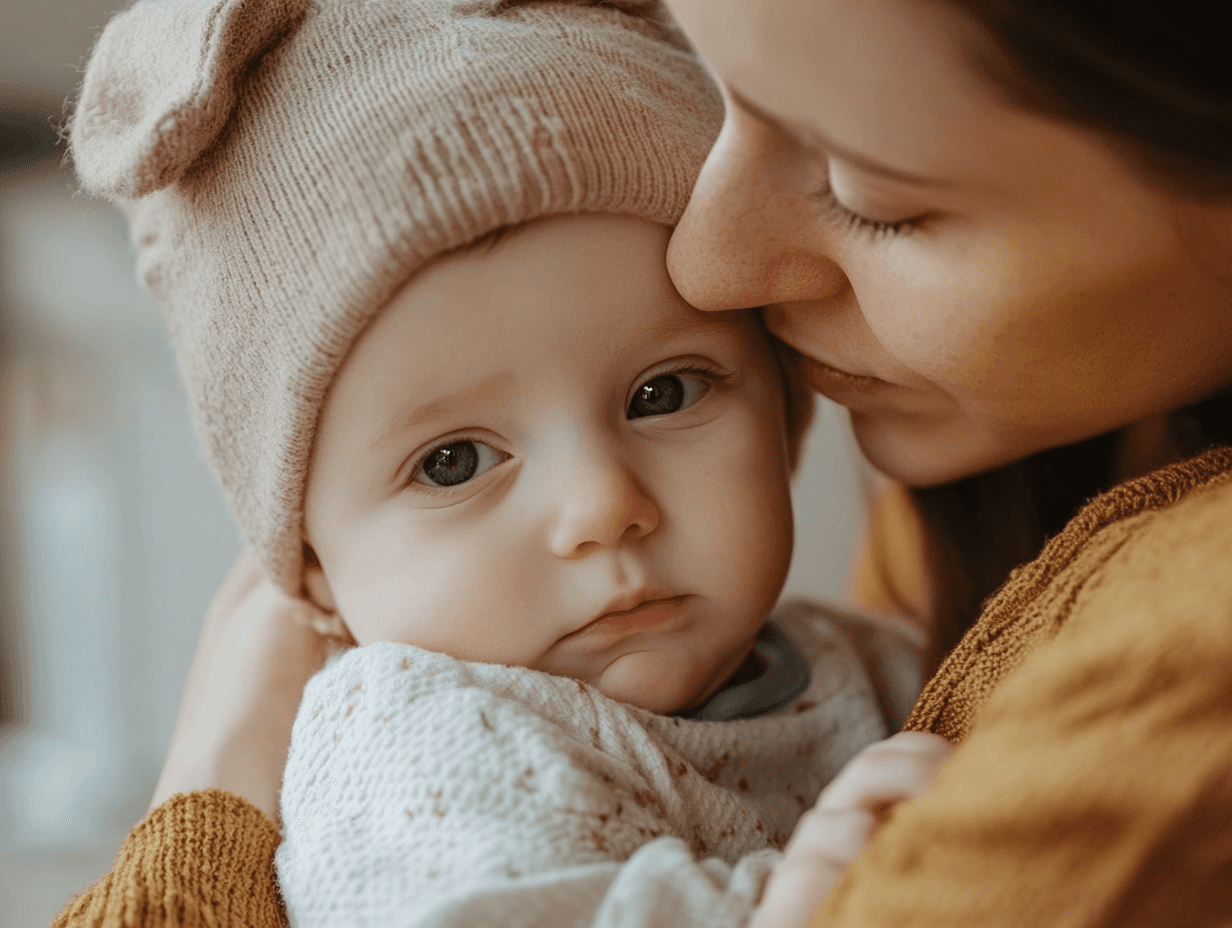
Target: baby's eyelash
[692, 367]
[874, 228]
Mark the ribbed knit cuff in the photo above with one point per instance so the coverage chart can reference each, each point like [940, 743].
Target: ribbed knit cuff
[203, 858]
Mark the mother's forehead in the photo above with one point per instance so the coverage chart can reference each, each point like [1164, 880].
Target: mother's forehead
[892, 83]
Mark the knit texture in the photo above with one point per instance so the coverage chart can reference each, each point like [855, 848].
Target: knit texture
[200, 860]
[417, 781]
[294, 162]
[1093, 700]
[1035, 603]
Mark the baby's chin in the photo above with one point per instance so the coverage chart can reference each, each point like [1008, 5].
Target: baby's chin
[664, 682]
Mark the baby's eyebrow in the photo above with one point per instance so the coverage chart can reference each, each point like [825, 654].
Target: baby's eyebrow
[494, 385]
[676, 325]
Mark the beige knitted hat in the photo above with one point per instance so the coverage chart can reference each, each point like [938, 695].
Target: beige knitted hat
[288, 164]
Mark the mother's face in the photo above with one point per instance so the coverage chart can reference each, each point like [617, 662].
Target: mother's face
[974, 282]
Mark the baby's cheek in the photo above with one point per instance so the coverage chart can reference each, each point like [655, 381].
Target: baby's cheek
[445, 595]
[389, 606]
[748, 522]
[388, 593]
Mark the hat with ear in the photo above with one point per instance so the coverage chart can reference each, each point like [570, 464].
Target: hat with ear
[288, 164]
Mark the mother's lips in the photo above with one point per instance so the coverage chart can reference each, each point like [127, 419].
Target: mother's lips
[840, 386]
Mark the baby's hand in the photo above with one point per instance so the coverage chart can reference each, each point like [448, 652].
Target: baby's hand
[834, 832]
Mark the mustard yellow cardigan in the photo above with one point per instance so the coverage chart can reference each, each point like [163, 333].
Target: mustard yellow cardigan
[1093, 786]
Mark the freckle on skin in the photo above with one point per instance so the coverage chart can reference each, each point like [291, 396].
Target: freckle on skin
[743, 784]
[805, 704]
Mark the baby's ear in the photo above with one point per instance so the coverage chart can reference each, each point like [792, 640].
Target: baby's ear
[162, 82]
[317, 588]
[325, 618]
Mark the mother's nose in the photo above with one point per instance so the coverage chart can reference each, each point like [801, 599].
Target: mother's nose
[750, 234]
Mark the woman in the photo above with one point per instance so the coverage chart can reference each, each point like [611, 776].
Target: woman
[993, 230]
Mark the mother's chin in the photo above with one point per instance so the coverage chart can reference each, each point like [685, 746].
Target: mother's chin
[922, 451]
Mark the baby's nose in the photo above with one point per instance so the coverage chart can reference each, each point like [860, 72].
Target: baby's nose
[603, 506]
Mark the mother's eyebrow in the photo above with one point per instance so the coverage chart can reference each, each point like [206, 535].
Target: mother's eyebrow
[811, 138]
[496, 384]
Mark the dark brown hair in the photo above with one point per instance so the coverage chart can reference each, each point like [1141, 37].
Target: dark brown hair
[1154, 79]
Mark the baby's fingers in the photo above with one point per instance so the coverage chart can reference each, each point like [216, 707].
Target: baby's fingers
[831, 835]
[899, 768]
[823, 846]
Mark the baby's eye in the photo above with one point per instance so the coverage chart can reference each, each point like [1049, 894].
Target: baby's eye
[457, 462]
[667, 393]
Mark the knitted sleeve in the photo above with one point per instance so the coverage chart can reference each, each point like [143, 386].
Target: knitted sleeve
[1095, 786]
[199, 859]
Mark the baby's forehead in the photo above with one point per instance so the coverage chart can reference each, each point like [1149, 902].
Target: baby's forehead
[572, 305]
[596, 275]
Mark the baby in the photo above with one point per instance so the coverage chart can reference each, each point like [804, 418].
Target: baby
[412, 258]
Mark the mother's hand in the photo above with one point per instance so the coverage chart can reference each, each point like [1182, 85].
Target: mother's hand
[257, 649]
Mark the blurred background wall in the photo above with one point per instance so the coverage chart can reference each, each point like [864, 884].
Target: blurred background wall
[113, 534]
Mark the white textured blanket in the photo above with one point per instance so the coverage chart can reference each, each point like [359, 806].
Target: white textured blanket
[423, 790]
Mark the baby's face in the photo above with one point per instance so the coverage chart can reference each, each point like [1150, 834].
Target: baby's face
[540, 455]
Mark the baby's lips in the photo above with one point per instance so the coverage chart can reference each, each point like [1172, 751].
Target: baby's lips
[649, 613]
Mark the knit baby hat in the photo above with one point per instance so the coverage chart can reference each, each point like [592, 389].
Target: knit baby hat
[288, 164]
